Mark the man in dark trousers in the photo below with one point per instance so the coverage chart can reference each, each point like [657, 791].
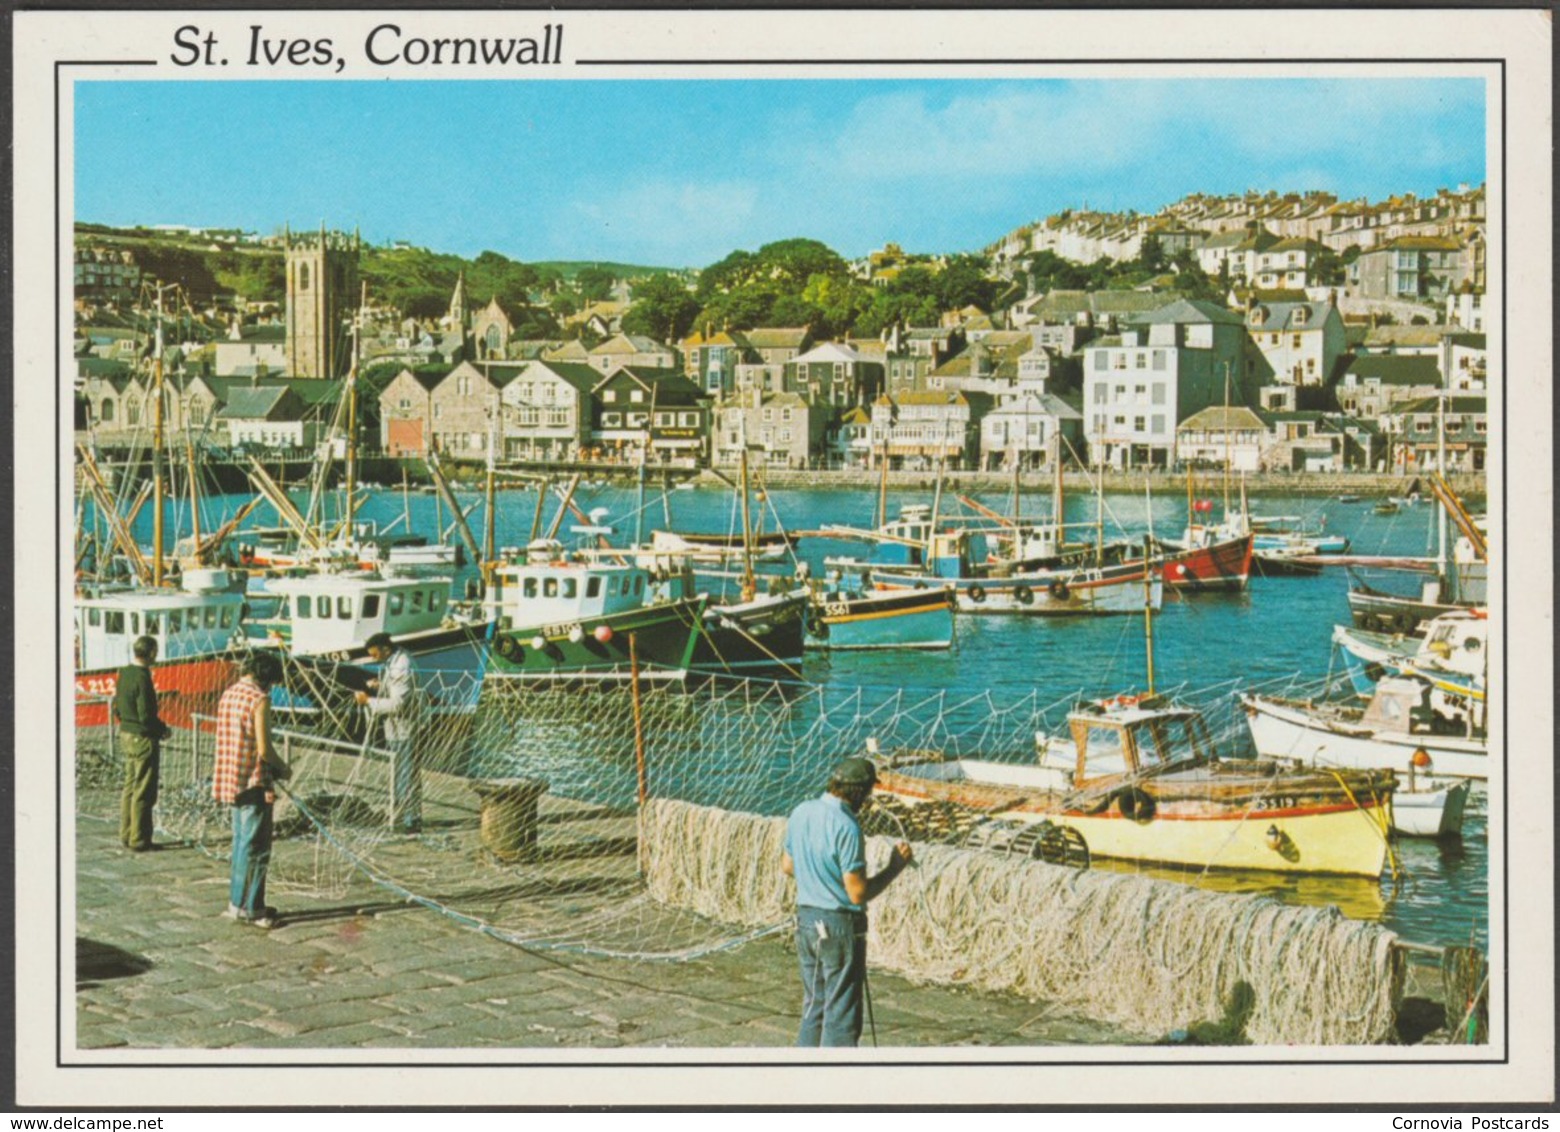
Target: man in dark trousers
[826, 853]
[141, 733]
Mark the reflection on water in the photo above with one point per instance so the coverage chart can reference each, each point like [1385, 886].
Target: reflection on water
[1002, 672]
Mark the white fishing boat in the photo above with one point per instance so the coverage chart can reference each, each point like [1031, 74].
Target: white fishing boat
[1452, 654]
[196, 627]
[1405, 716]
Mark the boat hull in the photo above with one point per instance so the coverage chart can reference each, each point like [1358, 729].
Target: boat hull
[920, 619]
[664, 639]
[1118, 589]
[753, 637]
[1435, 811]
[186, 687]
[1286, 729]
[1219, 566]
[1266, 831]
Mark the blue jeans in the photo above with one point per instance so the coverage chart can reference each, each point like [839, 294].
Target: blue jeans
[251, 853]
[831, 946]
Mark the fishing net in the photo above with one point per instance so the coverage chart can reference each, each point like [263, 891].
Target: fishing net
[532, 830]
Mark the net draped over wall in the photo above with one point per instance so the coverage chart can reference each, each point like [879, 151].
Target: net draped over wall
[531, 831]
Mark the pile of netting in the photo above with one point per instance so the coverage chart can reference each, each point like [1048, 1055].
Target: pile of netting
[1150, 955]
[532, 829]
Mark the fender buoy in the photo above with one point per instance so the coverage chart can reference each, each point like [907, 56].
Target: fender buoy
[816, 625]
[920, 585]
[1135, 804]
[1058, 590]
[977, 594]
[507, 648]
[1024, 595]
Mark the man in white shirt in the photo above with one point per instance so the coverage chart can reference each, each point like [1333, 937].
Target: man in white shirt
[399, 704]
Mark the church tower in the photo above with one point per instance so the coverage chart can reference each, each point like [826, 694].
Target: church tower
[322, 292]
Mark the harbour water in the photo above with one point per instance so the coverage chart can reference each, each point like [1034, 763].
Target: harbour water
[1204, 645]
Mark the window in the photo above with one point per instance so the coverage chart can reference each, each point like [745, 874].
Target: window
[175, 621]
[1160, 358]
[324, 609]
[769, 414]
[1138, 424]
[1141, 360]
[1139, 392]
[1121, 393]
[1158, 422]
[1296, 342]
[785, 436]
[530, 587]
[609, 394]
[344, 607]
[1158, 390]
[210, 617]
[593, 587]
[549, 587]
[153, 623]
[435, 600]
[1101, 393]
[636, 396]
[394, 604]
[689, 420]
[370, 605]
[114, 622]
[571, 587]
[227, 617]
[639, 585]
[415, 599]
[1101, 360]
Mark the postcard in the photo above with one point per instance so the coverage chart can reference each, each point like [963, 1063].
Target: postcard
[627, 557]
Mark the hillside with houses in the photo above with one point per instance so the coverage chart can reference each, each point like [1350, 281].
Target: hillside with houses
[1272, 331]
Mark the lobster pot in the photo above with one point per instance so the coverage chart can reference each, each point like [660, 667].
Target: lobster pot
[510, 817]
[1152, 956]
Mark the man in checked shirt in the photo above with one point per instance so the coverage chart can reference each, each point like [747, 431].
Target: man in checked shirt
[245, 769]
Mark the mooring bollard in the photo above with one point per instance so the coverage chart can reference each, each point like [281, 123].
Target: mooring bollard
[510, 817]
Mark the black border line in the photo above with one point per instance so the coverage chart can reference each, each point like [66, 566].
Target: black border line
[854, 1064]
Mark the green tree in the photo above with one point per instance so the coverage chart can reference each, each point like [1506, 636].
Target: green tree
[963, 282]
[663, 309]
[1151, 256]
[595, 283]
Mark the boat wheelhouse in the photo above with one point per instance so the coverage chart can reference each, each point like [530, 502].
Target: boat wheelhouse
[196, 629]
[562, 616]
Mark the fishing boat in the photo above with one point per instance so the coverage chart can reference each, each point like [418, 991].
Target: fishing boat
[567, 617]
[839, 619]
[1070, 588]
[1137, 780]
[197, 630]
[1452, 654]
[1404, 717]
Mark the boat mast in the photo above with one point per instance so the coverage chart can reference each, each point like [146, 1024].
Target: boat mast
[749, 584]
[352, 375]
[490, 536]
[189, 452]
[882, 507]
[1440, 524]
[1057, 509]
[1148, 610]
[1228, 457]
[157, 448]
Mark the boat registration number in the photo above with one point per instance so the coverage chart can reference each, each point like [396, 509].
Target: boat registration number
[835, 609]
[1277, 803]
[561, 629]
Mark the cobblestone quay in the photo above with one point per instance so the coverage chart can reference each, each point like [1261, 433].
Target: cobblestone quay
[158, 966]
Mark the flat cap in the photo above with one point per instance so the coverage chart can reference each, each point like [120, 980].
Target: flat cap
[855, 772]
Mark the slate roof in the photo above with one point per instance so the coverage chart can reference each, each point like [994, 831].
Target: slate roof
[1289, 316]
[1217, 418]
[1192, 310]
[261, 404]
[1395, 369]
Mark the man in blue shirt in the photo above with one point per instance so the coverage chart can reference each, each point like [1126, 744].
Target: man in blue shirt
[826, 853]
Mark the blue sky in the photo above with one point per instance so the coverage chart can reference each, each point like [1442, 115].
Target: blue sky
[680, 173]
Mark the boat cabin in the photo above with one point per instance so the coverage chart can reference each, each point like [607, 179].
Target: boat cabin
[183, 623]
[1122, 737]
[1455, 641]
[334, 612]
[549, 587]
